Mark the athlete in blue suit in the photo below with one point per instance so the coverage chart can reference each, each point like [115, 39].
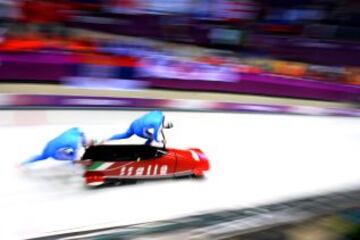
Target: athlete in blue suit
[147, 126]
[63, 147]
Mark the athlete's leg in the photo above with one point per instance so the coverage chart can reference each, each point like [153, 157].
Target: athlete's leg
[150, 137]
[35, 159]
[124, 135]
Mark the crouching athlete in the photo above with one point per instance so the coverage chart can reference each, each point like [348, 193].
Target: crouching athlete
[148, 126]
[64, 147]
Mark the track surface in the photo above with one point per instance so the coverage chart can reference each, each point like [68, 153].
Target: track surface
[255, 159]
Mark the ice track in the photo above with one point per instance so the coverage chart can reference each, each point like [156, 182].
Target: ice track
[255, 159]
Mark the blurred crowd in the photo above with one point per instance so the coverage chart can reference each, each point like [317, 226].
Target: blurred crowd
[338, 19]
[237, 37]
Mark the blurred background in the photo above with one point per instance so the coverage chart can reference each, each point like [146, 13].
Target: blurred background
[276, 48]
[272, 56]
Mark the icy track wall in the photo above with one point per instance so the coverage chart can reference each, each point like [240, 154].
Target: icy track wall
[255, 159]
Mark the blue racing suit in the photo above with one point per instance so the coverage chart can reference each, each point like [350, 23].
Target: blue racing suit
[141, 126]
[63, 147]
